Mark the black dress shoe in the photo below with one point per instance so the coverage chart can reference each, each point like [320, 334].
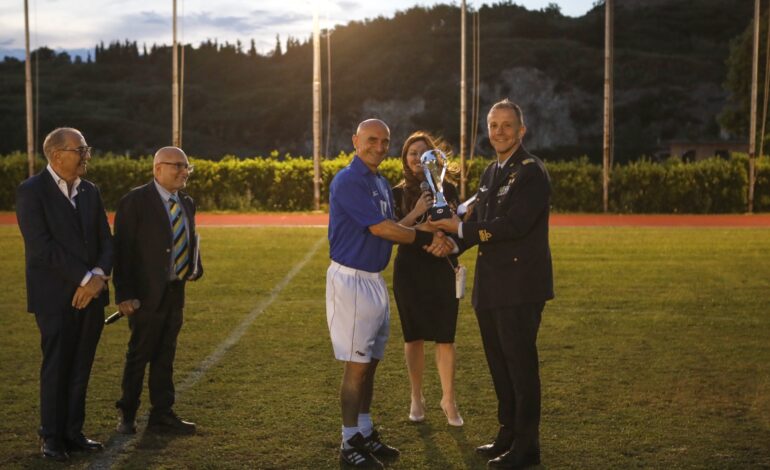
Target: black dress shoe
[501, 444]
[514, 460]
[490, 451]
[53, 449]
[82, 444]
[169, 422]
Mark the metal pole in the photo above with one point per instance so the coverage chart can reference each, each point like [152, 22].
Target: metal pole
[174, 85]
[28, 92]
[476, 84]
[463, 103]
[608, 85]
[181, 97]
[753, 118]
[328, 91]
[316, 112]
[765, 93]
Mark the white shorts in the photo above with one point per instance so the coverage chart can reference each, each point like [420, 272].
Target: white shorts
[357, 312]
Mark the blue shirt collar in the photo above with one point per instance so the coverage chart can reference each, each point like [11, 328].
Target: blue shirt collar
[360, 167]
[164, 194]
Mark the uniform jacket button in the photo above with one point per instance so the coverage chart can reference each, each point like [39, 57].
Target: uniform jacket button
[168, 250]
[515, 259]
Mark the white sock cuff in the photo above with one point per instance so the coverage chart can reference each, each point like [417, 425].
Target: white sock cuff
[365, 425]
[347, 433]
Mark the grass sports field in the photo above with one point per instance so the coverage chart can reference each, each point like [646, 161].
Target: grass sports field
[654, 355]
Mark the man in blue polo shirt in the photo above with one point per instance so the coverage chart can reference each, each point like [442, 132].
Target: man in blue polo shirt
[362, 231]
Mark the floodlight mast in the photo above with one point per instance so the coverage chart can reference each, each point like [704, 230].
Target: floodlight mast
[316, 111]
[28, 93]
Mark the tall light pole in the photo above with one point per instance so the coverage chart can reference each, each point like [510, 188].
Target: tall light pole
[463, 102]
[316, 111]
[753, 118]
[28, 93]
[608, 86]
[174, 85]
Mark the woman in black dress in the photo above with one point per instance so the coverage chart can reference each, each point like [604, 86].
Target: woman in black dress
[424, 286]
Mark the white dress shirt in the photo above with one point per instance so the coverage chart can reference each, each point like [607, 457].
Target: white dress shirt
[70, 195]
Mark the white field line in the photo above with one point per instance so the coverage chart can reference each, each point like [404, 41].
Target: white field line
[121, 447]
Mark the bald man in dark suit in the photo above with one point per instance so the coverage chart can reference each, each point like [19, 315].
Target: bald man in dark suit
[155, 255]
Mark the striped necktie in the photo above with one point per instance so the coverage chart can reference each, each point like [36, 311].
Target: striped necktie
[181, 257]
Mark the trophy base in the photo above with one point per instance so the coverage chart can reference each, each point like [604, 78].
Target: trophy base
[438, 213]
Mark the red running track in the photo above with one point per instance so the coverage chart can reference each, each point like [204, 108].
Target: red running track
[558, 220]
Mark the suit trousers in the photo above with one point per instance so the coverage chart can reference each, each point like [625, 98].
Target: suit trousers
[153, 340]
[68, 340]
[509, 335]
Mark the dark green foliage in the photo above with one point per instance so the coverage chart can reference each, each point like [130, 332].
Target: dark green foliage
[709, 186]
[735, 115]
[577, 186]
[670, 64]
[762, 188]
[13, 170]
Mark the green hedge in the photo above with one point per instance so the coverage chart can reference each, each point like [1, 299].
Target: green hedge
[709, 186]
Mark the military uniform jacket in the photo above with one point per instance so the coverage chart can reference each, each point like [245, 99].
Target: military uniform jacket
[510, 225]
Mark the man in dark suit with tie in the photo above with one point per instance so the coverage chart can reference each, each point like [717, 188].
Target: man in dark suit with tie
[155, 254]
[512, 283]
[68, 252]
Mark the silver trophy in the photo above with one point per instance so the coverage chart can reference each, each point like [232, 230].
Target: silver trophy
[434, 163]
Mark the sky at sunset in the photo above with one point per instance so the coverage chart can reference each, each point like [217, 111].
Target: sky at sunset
[78, 25]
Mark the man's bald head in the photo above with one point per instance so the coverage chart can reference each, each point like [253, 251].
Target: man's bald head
[371, 142]
[171, 168]
[170, 153]
[372, 123]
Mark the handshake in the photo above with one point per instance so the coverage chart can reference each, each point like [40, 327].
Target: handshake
[442, 244]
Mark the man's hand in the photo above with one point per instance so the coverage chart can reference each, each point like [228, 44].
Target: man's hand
[96, 285]
[127, 307]
[447, 225]
[81, 298]
[441, 246]
[93, 288]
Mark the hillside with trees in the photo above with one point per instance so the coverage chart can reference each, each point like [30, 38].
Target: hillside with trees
[669, 74]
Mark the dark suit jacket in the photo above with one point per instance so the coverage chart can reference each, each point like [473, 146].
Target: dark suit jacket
[143, 244]
[510, 225]
[60, 249]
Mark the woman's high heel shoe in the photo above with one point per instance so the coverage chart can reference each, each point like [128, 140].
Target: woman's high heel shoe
[457, 420]
[417, 413]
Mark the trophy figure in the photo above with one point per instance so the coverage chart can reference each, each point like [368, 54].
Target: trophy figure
[434, 164]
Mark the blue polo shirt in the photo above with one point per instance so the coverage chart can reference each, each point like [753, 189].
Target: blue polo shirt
[359, 199]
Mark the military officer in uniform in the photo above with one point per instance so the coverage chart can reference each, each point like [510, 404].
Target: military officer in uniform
[512, 283]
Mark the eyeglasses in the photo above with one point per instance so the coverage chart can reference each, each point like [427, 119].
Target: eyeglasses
[180, 166]
[82, 151]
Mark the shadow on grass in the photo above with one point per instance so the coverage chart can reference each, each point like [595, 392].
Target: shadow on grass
[434, 452]
[153, 441]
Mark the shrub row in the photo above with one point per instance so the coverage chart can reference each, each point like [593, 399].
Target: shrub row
[709, 186]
